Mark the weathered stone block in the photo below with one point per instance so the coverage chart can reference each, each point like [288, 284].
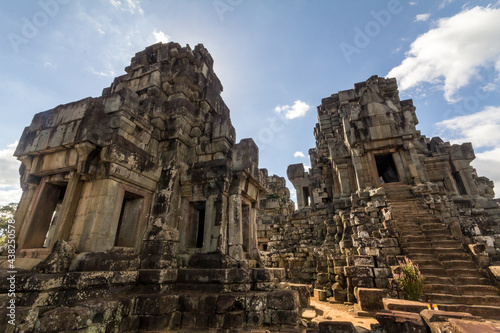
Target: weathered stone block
[150, 276]
[304, 295]
[364, 261]
[255, 318]
[229, 302]
[363, 282]
[194, 320]
[234, 319]
[155, 304]
[382, 273]
[283, 300]
[65, 319]
[256, 302]
[397, 321]
[336, 327]
[320, 294]
[370, 299]
[358, 271]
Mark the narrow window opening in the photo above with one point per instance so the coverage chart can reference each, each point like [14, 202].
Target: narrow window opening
[126, 234]
[305, 192]
[386, 168]
[460, 183]
[195, 228]
[55, 216]
[264, 247]
[201, 226]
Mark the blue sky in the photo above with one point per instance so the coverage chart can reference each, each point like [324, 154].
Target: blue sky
[276, 60]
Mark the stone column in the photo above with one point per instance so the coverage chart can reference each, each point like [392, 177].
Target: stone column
[235, 239]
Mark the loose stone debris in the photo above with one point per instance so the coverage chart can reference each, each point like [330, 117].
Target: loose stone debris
[141, 212]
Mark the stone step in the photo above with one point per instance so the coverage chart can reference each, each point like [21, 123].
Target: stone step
[460, 264]
[419, 238]
[435, 250]
[410, 206]
[484, 311]
[462, 273]
[471, 280]
[428, 263]
[404, 213]
[422, 245]
[437, 232]
[438, 280]
[445, 244]
[440, 257]
[454, 256]
[408, 233]
[462, 299]
[433, 226]
[440, 288]
[410, 216]
[434, 272]
[477, 290]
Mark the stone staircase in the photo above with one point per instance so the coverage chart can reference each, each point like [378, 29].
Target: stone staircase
[452, 279]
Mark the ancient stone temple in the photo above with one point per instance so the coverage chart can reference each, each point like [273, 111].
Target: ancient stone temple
[139, 210]
[379, 191]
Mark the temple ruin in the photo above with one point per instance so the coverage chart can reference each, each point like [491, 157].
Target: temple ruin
[142, 212]
[139, 209]
[379, 191]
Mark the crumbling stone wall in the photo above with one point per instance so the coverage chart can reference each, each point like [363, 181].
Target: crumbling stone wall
[275, 207]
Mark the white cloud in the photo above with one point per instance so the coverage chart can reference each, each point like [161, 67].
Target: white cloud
[299, 154]
[452, 54]
[131, 6]
[48, 64]
[481, 128]
[298, 109]
[445, 3]
[109, 73]
[9, 175]
[8, 196]
[160, 36]
[488, 164]
[489, 87]
[422, 17]
[307, 168]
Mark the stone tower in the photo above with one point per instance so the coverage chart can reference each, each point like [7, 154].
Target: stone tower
[139, 209]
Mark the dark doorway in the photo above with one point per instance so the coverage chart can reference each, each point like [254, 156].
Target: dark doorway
[305, 192]
[45, 216]
[386, 169]
[460, 183]
[195, 228]
[129, 220]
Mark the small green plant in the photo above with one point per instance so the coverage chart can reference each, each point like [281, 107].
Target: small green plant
[410, 279]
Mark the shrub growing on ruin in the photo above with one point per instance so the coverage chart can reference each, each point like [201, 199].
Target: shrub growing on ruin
[410, 279]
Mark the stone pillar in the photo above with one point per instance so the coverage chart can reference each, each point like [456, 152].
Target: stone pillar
[235, 239]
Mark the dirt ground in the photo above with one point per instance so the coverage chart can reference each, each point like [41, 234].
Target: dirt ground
[339, 312]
